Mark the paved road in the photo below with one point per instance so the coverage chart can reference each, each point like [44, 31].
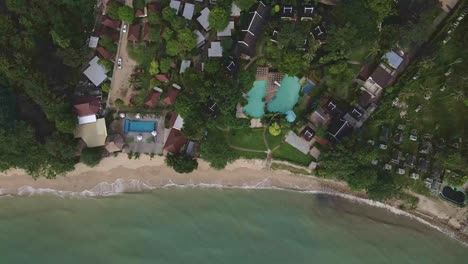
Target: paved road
[119, 84]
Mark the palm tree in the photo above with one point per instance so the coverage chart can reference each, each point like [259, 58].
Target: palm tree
[134, 82]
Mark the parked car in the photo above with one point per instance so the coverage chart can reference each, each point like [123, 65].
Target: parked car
[119, 63]
[124, 28]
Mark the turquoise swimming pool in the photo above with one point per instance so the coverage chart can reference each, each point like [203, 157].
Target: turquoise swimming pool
[255, 106]
[139, 126]
[287, 95]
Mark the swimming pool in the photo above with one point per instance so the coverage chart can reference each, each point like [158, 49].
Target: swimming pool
[287, 95]
[256, 107]
[139, 126]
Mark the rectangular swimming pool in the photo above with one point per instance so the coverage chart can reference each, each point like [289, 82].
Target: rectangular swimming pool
[139, 126]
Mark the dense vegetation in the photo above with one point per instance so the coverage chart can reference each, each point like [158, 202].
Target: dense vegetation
[42, 47]
[181, 163]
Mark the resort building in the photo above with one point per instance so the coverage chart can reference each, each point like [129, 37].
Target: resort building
[216, 50]
[86, 108]
[306, 12]
[184, 65]
[114, 24]
[227, 32]
[103, 53]
[188, 11]
[172, 95]
[153, 98]
[96, 73]
[201, 39]
[288, 13]
[134, 32]
[203, 19]
[93, 42]
[143, 12]
[319, 34]
[248, 39]
[297, 142]
[235, 10]
[93, 134]
[175, 4]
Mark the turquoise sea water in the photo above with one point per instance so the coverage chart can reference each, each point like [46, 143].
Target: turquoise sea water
[214, 226]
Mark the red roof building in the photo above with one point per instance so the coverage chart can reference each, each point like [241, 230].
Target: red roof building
[171, 96]
[146, 32]
[154, 7]
[175, 141]
[115, 24]
[141, 12]
[153, 99]
[134, 32]
[86, 105]
[112, 34]
[103, 53]
[162, 77]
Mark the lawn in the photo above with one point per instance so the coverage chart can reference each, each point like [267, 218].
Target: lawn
[248, 138]
[272, 140]
[289, 153]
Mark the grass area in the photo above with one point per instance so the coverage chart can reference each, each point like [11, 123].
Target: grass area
[248, 138]
[272, 140]
[251, 155]
[289, 153]
[294, 170]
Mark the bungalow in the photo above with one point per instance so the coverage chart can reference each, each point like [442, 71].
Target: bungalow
[231, 66]
[172, 95]
[426, 147]
[307, 133]
[93, 42]
[275, 36]
[184, 65]
[288, 13]
[212, 109]
[319, 34]
[393, 59]
[103, 53]
[332, 108]
[154, 97]
[203, 19]
[397, 156]
[175, 141]
[227, 32]
[423, 166]
[175, 4]
[235, 10]
[216, 50]
[188, 11]
[86, 108]
[200, 38]
[93, 134]
[163, 77]
[306, 12]
[114, 24]
[320, 118]
[143, 12]
[134, 32]
[379, 80]
[108, 32]
[410, 161]
[339, 128]
[96, 73]
[146, 32]
[355, 117]
[249, 36]
[154, 7]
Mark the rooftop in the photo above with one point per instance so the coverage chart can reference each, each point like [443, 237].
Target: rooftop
[203, 19]
[93, 134]
[93, 42]
[392, 59]
[216, 50]
[175, 5]
[297, 142]
[96, 73]
[188, 11]
[227, 31]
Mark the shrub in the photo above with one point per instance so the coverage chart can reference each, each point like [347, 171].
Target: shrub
[181, 163]
[274, 129]
[119, 102]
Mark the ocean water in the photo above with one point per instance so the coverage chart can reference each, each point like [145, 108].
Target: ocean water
[193, 225]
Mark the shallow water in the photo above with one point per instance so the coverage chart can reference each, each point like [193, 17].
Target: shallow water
[214, 226]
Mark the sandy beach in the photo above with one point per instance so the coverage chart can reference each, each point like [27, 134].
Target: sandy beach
[119, 174]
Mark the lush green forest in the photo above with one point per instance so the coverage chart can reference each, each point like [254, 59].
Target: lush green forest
[432, 104]
[42, 49]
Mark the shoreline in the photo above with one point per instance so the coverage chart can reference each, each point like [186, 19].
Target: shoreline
[116, 175]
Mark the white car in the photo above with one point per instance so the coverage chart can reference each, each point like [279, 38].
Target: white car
[119, 63]
[124, 28]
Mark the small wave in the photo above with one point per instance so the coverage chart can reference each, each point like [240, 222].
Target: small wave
[105, 189]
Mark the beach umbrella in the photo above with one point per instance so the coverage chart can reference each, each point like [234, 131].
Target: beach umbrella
[138, 116]
[122, 115]
[139, 137]
[154, 133]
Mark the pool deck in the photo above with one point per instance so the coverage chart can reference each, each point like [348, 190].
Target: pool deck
[264, 74]
[143, 146]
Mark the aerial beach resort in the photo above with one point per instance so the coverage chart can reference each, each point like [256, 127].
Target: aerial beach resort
[308, 104]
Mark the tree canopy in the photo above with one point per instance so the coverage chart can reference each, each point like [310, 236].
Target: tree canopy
[126, 14]
[219, 19]
[181, 163]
